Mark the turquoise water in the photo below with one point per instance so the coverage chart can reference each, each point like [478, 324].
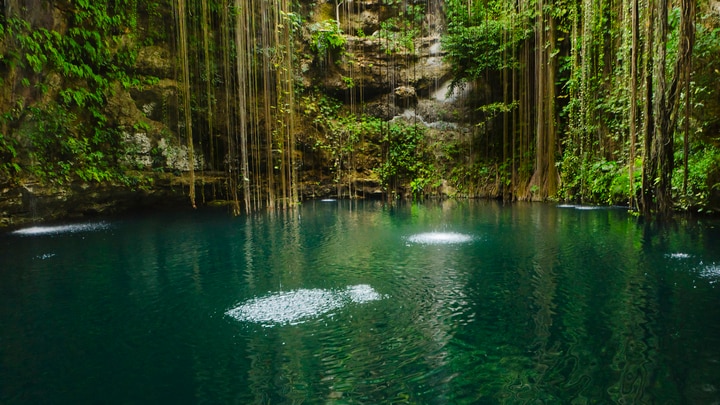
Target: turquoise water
[356, 302]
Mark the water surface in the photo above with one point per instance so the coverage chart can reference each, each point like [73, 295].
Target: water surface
[356, 302]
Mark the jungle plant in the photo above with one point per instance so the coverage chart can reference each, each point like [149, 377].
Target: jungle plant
[407, 161]
[703, 178]
[398, 35]
[60, 150]
[8, 153]
[326, 38]
[69, 135]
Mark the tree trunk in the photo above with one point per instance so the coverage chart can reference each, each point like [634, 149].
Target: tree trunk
[683, 72]
[545, 179]
[633, 100]
[662, 144]
[659, 164]
[647, 200]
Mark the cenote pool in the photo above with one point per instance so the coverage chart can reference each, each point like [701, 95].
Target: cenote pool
[454, 302]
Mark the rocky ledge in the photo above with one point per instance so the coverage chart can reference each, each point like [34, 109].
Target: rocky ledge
[33, 202]
[30, 202]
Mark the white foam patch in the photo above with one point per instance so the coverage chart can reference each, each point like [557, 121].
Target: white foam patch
[298, 306]
[584, 207]
[711, 272]
[328, 200]
[439, 238]
[58, 229]
[678, 255]
[589, 207]
[362, 293]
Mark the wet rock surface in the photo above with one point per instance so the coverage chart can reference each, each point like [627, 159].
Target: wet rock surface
[33, 202]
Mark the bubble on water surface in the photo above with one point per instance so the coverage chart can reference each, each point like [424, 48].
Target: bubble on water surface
[298, 306]
[711, 272]
[362, 293]
[678, 255]
[58, 229]
[589, 207]
[439, 238]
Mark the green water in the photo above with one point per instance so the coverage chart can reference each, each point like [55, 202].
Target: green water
[352, 302]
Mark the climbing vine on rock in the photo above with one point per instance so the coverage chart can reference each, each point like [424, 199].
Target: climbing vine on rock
[59, 75]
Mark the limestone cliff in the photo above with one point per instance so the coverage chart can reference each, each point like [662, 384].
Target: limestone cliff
[123, 112]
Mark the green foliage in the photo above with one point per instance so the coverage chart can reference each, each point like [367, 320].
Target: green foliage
[326, 37]
[321, 108]
[349, 82]
[590, 46]
[600, 181]
[706, 80]
[482, 37]
[407, 160]
[703, 178]
[8, 153]
[60, 153]
[398, 35]
[68, 136]
[339, 133]
[155, 30]
[91, 50]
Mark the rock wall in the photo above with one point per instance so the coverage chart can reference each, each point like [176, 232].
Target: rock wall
[34, 202]
[373, 69]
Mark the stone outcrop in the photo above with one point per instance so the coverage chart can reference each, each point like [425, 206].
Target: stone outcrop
[155, 61]
[33, 202]
[391, 75]
[380, 71]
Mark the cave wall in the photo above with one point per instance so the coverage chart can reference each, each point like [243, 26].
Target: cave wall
[380, 77]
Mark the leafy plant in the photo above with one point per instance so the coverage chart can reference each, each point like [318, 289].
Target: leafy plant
[60, 150]
[398, 35]
[601, 181]
[406, 159]
[326, 37]
[69, 135]
[482, 36]
[8, 153]
[703, 178]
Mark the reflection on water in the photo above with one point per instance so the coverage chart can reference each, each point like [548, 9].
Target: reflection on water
[357, 302]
